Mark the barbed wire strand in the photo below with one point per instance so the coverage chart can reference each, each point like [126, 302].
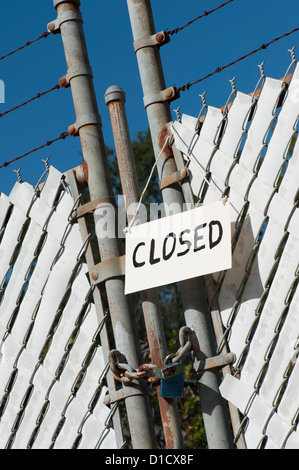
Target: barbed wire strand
[39, 95]
[28, 43]
[48, 143]
[206, 13]
[219, 69]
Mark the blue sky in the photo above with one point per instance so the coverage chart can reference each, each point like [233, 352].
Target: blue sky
[209, 43]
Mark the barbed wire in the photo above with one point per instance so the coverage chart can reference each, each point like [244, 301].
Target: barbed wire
[206, 13]
[219, 69]
[48, 143]
[28, 43]
[39, 95]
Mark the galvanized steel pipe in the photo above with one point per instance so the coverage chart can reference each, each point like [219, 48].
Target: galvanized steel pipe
[196, 310]
[115, 99]
[93, 147]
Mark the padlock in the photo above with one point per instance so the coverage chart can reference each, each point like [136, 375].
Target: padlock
[172, 387]
[169, 370]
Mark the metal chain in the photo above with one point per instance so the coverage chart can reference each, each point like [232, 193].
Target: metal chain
[124, 373]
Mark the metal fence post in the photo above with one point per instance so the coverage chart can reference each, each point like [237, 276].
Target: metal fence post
[115, 99]
[88, 125]
[156, 99]
[72, 182]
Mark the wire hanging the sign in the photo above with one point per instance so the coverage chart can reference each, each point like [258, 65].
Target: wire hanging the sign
[128, 229]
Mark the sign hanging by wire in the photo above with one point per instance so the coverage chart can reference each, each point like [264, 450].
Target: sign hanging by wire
[178, 247]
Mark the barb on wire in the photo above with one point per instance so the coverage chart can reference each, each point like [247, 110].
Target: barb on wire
[49, 142]
[39, 95]
[28, 43]
[219, 69]
[206, 13]
[18, 172]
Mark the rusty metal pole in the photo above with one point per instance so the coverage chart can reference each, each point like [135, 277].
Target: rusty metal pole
[88, 125]
[156, 101]
[115, 100]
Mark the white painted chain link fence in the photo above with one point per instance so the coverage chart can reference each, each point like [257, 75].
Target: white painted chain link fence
[250, 152]
[52, 365]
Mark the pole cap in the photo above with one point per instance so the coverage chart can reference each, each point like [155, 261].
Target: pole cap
[58, 2]
[114, 93]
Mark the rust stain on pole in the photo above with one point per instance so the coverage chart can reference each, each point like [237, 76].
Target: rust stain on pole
[81, 173]
[164, 134]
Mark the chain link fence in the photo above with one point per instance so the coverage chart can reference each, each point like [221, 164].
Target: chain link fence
[249, 152]
[52, 365]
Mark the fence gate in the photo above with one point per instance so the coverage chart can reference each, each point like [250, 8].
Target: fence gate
[69, 350]
[249, 153]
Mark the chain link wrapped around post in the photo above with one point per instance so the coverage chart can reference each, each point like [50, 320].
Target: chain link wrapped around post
[124, 373]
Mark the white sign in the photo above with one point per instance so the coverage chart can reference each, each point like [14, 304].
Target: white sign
[178, 247]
